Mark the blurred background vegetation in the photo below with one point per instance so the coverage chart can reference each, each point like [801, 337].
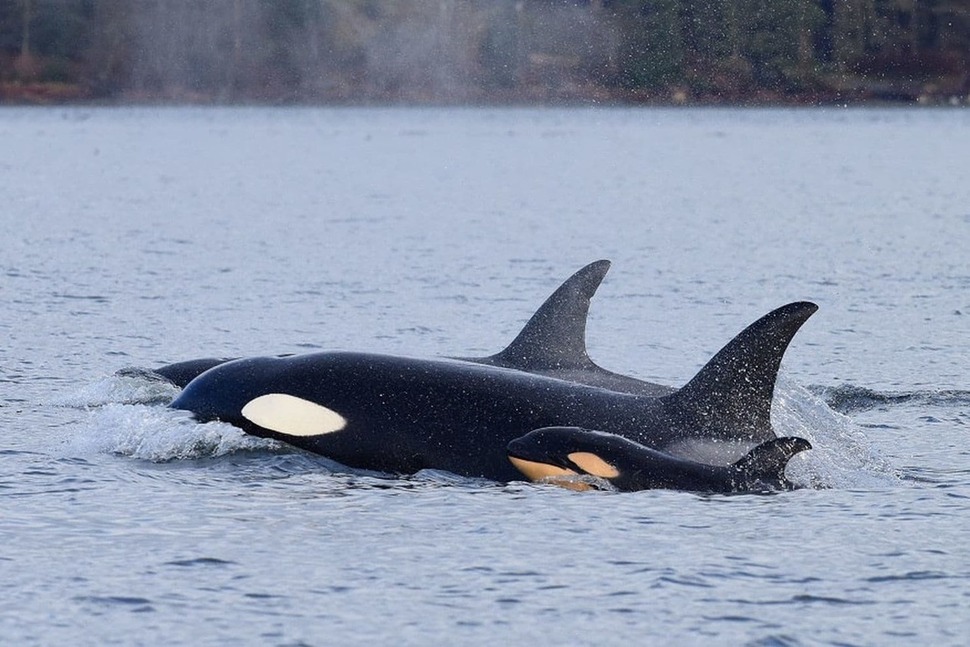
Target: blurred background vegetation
[482, 51]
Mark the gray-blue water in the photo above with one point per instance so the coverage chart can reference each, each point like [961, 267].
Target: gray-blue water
[134, 237]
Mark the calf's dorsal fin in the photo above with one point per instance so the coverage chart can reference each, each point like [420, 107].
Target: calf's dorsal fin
[731, 396]
[766, 463]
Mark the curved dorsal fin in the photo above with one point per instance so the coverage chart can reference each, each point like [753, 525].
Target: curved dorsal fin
[766, 463]
[555, 337]
[731, 396]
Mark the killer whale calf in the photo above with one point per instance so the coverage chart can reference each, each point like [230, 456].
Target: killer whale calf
[561, 454]
[400, 415]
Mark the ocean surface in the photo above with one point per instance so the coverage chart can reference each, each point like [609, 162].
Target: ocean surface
[133, 237]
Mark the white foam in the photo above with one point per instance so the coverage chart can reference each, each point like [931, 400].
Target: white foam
[130, 388]
[160, 434]
[841, 455]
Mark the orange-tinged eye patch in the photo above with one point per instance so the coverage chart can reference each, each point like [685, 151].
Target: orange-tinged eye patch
[593, 464]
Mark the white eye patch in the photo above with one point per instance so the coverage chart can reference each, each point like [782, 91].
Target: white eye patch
[293, 416]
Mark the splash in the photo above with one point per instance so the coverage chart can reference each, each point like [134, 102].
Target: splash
[160, 434]
[842, 456]
[125, 418]
[127, 386]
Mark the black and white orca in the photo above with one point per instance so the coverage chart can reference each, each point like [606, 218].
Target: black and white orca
[564, 455]
[400, 415]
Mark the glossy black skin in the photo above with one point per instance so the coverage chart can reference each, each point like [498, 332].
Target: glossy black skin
[181, 373]
[409, 414]
[643, 468]
[459, 414]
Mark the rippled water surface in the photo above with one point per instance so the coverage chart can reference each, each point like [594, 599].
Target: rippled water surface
[135, 237]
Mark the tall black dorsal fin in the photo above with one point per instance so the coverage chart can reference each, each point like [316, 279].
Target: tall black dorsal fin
[555, 337]
[731, 396]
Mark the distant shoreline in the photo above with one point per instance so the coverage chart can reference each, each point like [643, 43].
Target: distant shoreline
[485, 52]
[60, 94]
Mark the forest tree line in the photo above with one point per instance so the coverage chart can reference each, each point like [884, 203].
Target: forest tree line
[484, 50]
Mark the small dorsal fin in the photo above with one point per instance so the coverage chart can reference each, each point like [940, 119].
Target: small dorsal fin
[555, 336]
[767, 462]
[731, 396]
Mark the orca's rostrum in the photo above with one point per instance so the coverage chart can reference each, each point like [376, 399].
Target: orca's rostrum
[400, 415]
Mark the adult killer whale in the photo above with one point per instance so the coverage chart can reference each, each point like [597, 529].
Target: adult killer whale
[552, 343]
[401, 415]
[563, 455]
